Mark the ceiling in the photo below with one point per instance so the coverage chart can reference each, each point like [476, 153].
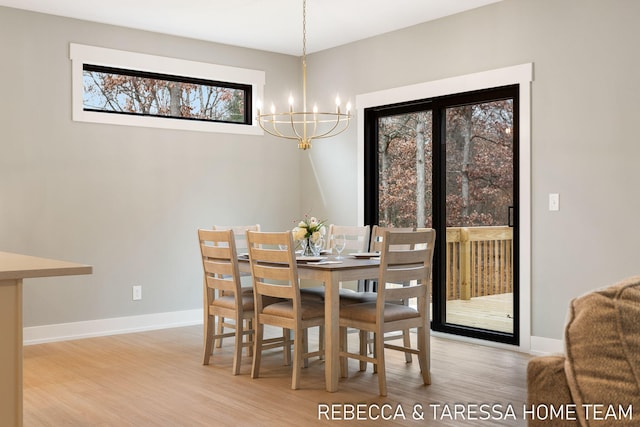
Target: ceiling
[271, 25]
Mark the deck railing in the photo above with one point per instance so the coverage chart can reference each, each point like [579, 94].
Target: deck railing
[479, 261]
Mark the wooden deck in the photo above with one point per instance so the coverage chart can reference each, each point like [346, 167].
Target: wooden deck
[156, 379]
[493, 312]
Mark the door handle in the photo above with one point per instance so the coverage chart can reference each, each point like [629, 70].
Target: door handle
[510, 217]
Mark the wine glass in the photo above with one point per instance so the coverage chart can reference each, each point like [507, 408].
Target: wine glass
[317, 246]
[339, 243]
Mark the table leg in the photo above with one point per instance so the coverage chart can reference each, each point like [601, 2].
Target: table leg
[331, 330]
[11, 352]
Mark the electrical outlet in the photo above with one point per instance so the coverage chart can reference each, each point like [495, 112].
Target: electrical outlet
[137, 292]
[554, 202]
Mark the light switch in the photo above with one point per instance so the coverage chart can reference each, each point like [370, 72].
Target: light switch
[554, 202]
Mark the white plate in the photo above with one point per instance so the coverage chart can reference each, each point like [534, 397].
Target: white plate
[365, 254]
[311, 258]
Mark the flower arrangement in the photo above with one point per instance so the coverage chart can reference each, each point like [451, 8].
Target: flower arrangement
[310, 233]
[310, 228]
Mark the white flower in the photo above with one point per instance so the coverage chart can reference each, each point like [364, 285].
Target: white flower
[323, 230]
[313, 221]
[302, 224]
[299, 233]
[316, 236]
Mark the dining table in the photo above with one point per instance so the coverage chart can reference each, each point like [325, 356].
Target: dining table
[13, 269]
[331, 272]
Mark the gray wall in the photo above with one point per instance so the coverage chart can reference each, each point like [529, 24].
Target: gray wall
[126, 200]
[584, 137]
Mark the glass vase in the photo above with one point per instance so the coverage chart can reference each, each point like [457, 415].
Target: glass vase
[309, 248]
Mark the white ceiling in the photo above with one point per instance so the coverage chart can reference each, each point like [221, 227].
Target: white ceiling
[271, 25]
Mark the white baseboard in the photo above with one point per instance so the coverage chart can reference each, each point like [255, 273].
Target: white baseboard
[112, 326]
[541, 346]
[148, 322]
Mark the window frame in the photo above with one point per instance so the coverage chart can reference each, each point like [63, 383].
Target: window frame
[518, 74]
[160, 65]
[438, 105]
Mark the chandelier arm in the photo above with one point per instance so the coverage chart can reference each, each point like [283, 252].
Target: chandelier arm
[329, 132]
[294, 129]
[275, 131]
[279, 135]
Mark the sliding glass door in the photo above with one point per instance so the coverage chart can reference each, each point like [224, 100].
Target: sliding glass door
[450, 163]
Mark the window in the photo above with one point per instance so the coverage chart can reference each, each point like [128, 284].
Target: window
[450, 163]
[126, 88]
[522, 75]
[121, 91]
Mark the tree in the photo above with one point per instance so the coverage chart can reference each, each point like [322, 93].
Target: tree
[479, 163]
[479, 166]
[405, 170]
[113, 92]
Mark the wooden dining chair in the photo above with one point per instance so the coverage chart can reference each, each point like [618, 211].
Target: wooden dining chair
[375, 245]
[356, 237]
[275, 275]
[356, 240]
[240, 234]
[240, 237]
[406, 259]
[223, 295]
[366, 290]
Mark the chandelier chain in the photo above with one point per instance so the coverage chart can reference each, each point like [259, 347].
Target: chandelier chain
[304, 125]
[304, 30]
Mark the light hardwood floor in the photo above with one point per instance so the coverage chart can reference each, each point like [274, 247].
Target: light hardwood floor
[156, 379]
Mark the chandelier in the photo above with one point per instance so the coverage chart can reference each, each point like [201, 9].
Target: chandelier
[304, 126]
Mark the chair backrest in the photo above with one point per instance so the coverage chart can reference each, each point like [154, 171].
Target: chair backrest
[239, 231]
[377, 236]
[406, 259]
[220, 264]
[273, 267]
[356, 237]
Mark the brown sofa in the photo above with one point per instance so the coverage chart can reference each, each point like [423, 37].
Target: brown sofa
[597, 381]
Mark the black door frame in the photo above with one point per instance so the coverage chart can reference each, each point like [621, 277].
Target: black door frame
[438, 106]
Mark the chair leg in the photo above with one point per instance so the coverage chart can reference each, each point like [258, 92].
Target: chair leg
[321, 341]
[423, 355]
[298, 347]
[220, 331]
[249, 338]
[286, 348]
[208, 339]
[364, 344]
[237, 351]
[344, 347]
[406, 340]
[257, 350]
[380, 364]
[305, 347]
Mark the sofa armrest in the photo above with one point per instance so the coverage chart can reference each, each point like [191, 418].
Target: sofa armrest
[547, 385]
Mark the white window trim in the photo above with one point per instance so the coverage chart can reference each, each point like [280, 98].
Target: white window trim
[83, 54]
[517, 74]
